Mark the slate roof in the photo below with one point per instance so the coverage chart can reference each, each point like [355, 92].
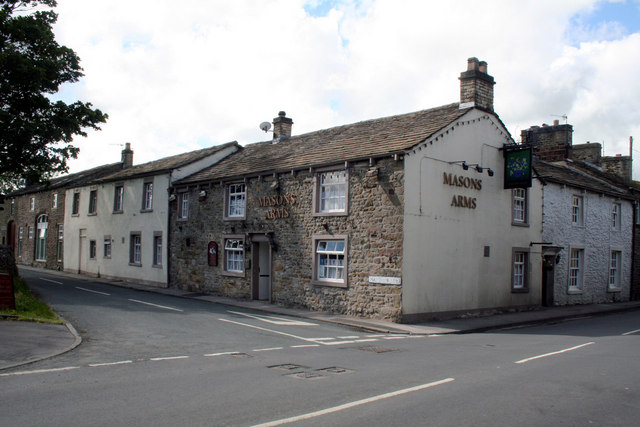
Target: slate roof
[360, 140]
[575, 175]
[165, 164]
[71, 180]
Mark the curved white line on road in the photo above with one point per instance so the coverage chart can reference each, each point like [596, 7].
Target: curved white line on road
[156, 305]
[553, 353]
[354, 404]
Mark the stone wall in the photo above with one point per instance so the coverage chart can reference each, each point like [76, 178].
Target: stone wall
[550, 143]
[589, 152]
[373, 226]
[618, 165]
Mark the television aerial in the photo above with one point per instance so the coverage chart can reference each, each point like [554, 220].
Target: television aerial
[265, 126]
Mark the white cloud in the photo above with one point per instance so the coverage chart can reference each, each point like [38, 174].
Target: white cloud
[177, 76]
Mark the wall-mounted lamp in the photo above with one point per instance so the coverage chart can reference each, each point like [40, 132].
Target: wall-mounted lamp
[172, 197]
[465, 166]
[203, 194]
[490, 172]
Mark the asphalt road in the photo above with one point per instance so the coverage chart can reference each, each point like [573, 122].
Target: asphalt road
[150, 359]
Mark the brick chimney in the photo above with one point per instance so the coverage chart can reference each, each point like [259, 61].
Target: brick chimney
[550, 143]
[476, 86]
[127, 156]
[282, 126]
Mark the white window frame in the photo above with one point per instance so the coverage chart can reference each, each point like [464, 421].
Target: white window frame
[615, 265]
[42, 225]
[147, 196]
[75, 203]
[55, 201]
[183, 205]
[235, 206]
[577, 210]
[93, 202]
[576, 270]
[335, 193]
[93, 249]
[519, 206]
[32, 204]
[339, 253]
[59, 246]
[616, 210]
[157, 249]
[118, 198]
[233, 255]
[20, 239]
[520, 270]
[106, 247]
[135, 248]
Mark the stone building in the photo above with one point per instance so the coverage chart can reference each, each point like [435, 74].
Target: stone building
[401, 218]
[35, 221]
[588, 218]
[116, 226]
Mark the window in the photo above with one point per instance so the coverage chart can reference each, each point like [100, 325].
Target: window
[331, 192]
[576, 261]
[60, 239]
[20, 238]
[92, 249]
[118, 198]
[13, 206]
[330, 260]
[93, 202]
[519, 206]
[135, 249]
[55, 201]
[615, 216]
[614, 269]
[75, 206]
[236, 197]
[577, 211]
[183, 205]
[30, 233]
[520, 270]
[107, 247]
[41, 239]
[157, 249]
[234, 255]
[32, 204]
[147, 196]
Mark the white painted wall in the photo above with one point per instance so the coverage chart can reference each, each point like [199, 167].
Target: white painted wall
[119, 226]
[444, 267]
[597, 239]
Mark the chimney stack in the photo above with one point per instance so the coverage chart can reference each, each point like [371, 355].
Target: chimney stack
[476, 86]
[127, 156]
[282, 126]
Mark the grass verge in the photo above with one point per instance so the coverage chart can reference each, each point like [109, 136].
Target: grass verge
[28, 307]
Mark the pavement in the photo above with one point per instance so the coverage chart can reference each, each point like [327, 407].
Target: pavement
[27, 342]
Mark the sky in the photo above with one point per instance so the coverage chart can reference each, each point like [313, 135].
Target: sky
[180, 76]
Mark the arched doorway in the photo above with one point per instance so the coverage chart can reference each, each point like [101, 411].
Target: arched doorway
[42, 224]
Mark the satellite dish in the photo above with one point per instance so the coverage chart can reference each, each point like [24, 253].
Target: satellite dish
[265, 126]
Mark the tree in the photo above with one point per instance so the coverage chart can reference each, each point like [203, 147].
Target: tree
[35, 131]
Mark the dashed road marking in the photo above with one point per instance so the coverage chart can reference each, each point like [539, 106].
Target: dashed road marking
[39, 371]
[631, 332]
[90, 290]
[155, 305]
[275, 320]
[122, 362]
[553, 353]
[257, 350]
[157, 359]
[52, 281]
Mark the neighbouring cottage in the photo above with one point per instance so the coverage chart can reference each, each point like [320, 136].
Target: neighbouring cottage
[116, 226]
[588, 218]
[35, 218]
[401, 218]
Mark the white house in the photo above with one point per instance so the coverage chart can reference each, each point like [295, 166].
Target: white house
[117, 226]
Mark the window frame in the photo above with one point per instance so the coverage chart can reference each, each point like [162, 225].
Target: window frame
[577, 211]
[579, 275]
[615, 270]
[616, 216]
[20, 240]
[157, 249]
[526, 270]
[59, 243]
[75, 203]
[93, 202]
[225, 255]
[183, 205]
[40, 244]
[147, 196]
[227, 200]
[118, 198]
[93, 249]
[32, 204]
[106, 247]
[317, 192]
[133, 236]
[525, 207]
[54, 204]
[315, 279]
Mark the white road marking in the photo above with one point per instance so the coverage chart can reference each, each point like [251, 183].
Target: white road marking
[225, 353]
[553, 353]
[89, 290]
[268, 330]
[275, 320]
[52, 281]
[155, 305]
[156, 359]
[349, 337]
[338, 342]
[322, 339]
[122, 362]
[393, 338]
[367, 340]
[631, 332]
[305, 345]
[353, 404]
[267, 349]
[39, 371]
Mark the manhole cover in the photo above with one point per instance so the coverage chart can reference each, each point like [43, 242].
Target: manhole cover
[306, 375]
[376, 349]
[288, 367]
[335, 370]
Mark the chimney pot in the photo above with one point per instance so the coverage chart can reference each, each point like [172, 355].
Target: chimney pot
[476, 86]
[472, 64]
[556, 122]
[482, 67]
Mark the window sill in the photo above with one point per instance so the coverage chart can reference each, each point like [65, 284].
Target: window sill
[574, 291]
[92, 214]
[341, 213]
[146, 210]
[135, 264]
[520, 224]
[233, 273]
[156, 266]
[614, 290]
[117, 212]
[519, 290]
[182, 219]
[330, 284]
[234, 218]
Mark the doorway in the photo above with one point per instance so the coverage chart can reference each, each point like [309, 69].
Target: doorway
[261, 268]
[550, 257]
[81, 246]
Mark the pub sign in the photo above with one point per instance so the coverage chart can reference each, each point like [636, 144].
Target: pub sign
[517, 166]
